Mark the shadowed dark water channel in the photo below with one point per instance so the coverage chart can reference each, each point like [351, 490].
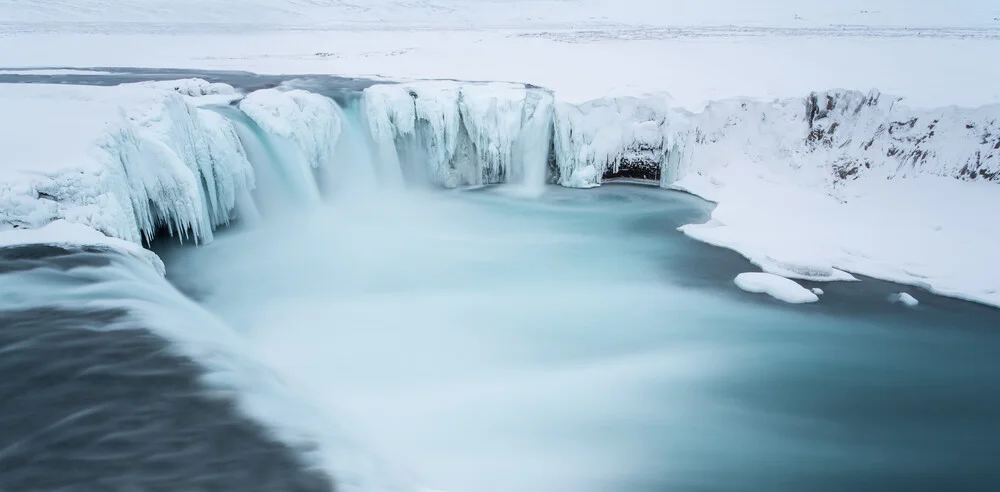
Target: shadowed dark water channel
[92, 400]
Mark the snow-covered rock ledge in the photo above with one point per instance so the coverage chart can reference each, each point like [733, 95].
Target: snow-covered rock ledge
[132, 160]
[807, 188]
[852, 182]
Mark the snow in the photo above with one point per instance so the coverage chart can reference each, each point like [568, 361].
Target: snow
[498, 13]
[777, 287]
[817, 291]
[579, 62]
[868, 186]
[905, 299]
[303, 128]
[127, 159]
[310, 121]
[63, 233]
[597, 136]
[57, 71]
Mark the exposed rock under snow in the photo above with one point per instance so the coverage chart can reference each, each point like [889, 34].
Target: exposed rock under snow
[777, 287]
[621, 137]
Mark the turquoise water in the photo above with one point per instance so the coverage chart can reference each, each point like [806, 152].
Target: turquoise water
[575, 342]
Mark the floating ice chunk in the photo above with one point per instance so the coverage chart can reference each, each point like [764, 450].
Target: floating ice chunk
[777, 287]
[191, 87]
[817, 291]
[904, 299]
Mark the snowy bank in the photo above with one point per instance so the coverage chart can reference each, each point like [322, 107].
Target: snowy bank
[461, 134]
[124, 160]
[133, 160]
[777, 287]
[814, 187]
[845, 181]
[807, 188]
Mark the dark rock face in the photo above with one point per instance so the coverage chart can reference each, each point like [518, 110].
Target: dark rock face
[868, 131]
[88, 408]
[642, 162]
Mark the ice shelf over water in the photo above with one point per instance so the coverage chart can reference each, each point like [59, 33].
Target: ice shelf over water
[807, 188]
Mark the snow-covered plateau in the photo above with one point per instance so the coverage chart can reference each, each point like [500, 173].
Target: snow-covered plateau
[815, 188]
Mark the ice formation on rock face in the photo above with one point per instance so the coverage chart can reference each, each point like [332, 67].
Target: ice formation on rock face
[454, 134]
[827, 138]
[179, 166]
[309, 120]
[616, 137]
[795, 179]
[305, 124]
[129, 159]
[140, 157]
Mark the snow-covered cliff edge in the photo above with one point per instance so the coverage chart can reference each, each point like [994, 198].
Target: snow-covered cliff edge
[811, 188]
[133, 160]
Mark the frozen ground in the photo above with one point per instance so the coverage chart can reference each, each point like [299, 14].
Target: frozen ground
[929, 52]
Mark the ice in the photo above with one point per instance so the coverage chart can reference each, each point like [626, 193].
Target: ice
[184, 165]
[817, 291]
[310, 121]
[129, 159]
[777, 287]
[905, 299]
[604, 135]
[454, 134]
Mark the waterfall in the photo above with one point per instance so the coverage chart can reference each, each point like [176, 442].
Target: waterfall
[282, 178]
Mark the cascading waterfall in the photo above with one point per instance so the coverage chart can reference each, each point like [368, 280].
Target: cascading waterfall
[280, 179]
[197, 164]
[354, 170]
[452, 134]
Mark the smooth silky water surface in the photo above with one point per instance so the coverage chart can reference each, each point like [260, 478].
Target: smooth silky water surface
[576, 341]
